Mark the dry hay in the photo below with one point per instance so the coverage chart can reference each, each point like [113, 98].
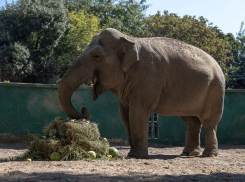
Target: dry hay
[72, 141]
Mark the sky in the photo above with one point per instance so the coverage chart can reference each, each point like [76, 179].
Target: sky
[225, 14]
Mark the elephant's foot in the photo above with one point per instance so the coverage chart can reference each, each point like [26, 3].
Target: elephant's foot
[138, 155]
[194, 152]
[211, 153]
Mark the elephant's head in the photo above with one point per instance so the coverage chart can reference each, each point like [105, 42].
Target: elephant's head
[108, 57]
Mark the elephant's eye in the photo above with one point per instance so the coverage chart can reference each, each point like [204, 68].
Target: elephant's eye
[96, 56]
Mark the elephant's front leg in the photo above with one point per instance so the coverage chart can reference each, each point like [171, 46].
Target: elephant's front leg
[124, 112]
[139, 127]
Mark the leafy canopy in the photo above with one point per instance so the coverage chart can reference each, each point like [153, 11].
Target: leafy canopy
[237, 73]
[124, 15]
[30, 30]
[40, 39]
[197, 32]
[83, 27]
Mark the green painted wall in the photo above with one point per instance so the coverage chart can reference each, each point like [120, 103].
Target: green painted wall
[231, 128]
[30, 107]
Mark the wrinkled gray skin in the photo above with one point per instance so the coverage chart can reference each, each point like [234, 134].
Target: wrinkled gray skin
[151, 75]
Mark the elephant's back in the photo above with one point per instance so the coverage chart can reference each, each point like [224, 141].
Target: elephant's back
[180, 56]
[187, 68]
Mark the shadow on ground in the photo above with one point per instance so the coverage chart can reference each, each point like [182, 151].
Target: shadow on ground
[227, 147]
[62, 177]
[164, 157]
[15, 146]
[221, 146]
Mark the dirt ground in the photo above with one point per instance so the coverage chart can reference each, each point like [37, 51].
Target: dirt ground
[164, 164]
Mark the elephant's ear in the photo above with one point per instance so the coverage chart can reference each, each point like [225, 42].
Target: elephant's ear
[128, 53]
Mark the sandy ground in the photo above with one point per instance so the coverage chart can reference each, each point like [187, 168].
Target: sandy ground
[164, 164]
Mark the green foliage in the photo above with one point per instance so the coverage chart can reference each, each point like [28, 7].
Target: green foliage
[40, 39]
[236, 46]
[14, 59]
[33, 27]
[78, 5]
[237, 73]
[124, 15]
[82, 29]
[197, 32]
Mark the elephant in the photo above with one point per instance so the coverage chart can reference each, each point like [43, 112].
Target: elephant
[151, 75]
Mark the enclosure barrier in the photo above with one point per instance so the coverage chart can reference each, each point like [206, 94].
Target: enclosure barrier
[29, 107]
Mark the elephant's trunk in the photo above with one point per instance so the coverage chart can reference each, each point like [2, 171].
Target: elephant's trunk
[76, 75]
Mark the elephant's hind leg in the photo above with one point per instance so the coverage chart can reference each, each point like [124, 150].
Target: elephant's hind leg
[210, 118]
[192, 139]
[211, 142]
[209, 123]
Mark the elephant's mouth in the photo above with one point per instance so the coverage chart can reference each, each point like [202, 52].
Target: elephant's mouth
[97, 88]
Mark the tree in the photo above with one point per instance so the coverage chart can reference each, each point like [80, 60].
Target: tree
[32, 28]
[197, 32]
[78, 5]
[82, 29]
[237, 75]
[124, 15]
[14, 61]
[14, 56]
